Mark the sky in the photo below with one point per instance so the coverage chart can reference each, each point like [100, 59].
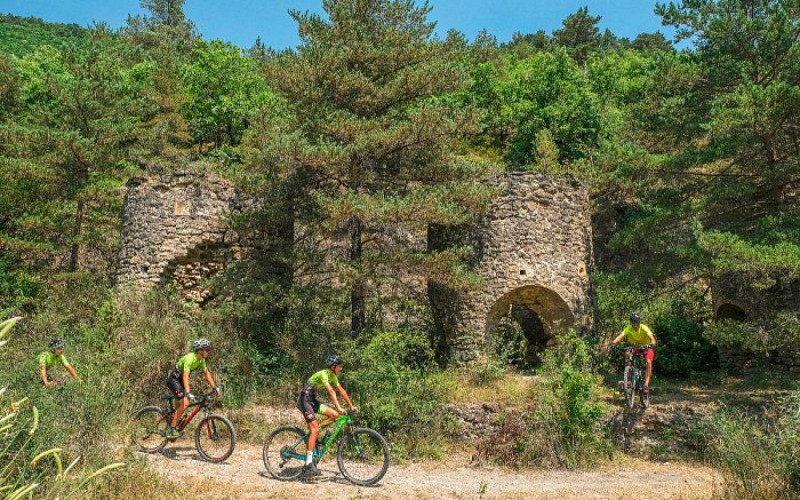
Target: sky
[242, 21]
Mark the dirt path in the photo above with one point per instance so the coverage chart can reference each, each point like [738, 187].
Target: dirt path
[244, 476]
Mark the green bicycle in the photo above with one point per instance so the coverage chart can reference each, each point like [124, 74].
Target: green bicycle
[362, 454]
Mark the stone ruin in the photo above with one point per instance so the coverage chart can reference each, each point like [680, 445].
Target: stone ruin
[735, 298]
[532, 249]
[175, 230]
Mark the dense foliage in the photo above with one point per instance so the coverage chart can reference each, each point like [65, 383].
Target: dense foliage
[371, 130]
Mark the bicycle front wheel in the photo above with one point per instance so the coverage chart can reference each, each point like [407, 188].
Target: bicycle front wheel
[363, 456]
[629, 380]
[150, 428]
[285, 452]
[215, 438]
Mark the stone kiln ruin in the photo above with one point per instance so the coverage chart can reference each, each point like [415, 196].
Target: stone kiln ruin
[532, 250]
[174, 229]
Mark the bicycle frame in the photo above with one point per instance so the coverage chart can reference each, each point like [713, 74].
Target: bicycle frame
[320, 449]
[186, 418]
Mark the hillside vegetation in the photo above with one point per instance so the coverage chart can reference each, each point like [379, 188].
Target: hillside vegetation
[22, 35]
[692, 158]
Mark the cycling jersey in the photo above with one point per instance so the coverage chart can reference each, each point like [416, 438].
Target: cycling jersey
[637, 337]
[322, 377]
[49, 360]
[190, 362]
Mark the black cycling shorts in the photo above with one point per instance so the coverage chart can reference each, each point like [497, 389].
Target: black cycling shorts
[308, 405]
[175, 385]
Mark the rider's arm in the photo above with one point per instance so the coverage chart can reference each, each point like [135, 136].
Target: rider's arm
[73, 373]
[186, 381]
[209, 379]
[619, 338]
[43, 374]
[652, 337]
[333, 397]
[346, 397]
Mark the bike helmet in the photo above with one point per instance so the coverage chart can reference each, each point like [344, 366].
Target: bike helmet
[57, 344]
[201, 344]
[333, 359]
[635, 319]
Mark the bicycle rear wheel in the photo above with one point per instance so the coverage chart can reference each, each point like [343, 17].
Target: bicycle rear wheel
[215, 438]
[285, 452]
[149, 429]
[629, 380]
[363, 456]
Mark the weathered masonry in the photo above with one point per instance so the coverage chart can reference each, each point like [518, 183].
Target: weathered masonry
[175, 229]
[533, 250]
[737, 299]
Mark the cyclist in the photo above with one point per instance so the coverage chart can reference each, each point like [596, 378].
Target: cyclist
[308, 405]
[637, 334]
[48, 360]
[178, 380]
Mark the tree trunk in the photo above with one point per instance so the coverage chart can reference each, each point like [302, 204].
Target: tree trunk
[357, 292]
[76, 234]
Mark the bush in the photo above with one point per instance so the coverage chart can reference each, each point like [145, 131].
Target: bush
[563, 427]
[401, 392]
[757, 459]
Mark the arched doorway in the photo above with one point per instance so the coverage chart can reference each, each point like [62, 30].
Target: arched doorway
[730, 311]
[522, 323]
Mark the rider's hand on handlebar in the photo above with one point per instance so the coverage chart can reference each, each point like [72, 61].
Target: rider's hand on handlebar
[216, 391]
[192, 398]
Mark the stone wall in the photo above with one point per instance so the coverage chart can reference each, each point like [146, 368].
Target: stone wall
[736, 298]
[175, 229]
[533, 248]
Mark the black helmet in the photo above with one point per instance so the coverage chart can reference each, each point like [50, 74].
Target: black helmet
[333, 359]
[635, 319]
[201, 344]
[57, 344]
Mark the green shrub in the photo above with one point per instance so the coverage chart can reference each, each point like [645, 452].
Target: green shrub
[401, 392]
[562, 428]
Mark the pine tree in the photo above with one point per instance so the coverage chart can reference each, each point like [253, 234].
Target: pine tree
[377, 140]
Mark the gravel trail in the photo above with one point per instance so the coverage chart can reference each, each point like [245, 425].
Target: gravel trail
[244, 476]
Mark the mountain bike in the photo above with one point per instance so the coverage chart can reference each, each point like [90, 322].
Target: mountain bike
[362, 454]
[214, 438]
[633, 376]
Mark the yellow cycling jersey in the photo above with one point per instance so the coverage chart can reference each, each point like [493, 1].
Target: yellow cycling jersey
[638, 336]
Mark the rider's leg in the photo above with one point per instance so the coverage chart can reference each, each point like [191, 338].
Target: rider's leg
[649, 356]
[180, 407]
[313, 427]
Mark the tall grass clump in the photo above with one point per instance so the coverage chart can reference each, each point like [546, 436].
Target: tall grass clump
[30, 466]
[401, 391]
[757, 459]
[561, 427]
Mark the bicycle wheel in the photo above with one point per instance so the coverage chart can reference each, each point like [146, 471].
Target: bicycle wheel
[285, 452]
[149, 429]
[629, 380]
[363, 456]
[643, 398]
[215, 438]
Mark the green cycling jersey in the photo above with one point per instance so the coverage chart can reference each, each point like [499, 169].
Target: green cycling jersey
[190, 362]
[49, 360]
[322, 377]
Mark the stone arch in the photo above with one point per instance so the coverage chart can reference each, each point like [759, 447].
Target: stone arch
[546, 303]
[539, 311]
[534, 245]
[728, 310]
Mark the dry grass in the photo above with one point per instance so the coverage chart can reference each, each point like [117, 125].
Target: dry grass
[509, 389]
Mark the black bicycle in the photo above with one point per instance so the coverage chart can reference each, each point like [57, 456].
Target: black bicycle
[633, 376]
[214, 438]
[362, 454]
